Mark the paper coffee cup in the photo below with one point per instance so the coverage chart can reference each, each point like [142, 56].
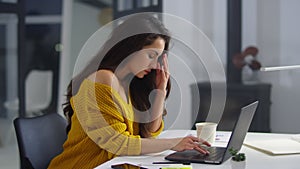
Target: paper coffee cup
[207, 131]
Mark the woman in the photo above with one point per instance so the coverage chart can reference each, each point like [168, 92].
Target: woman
[108, 105]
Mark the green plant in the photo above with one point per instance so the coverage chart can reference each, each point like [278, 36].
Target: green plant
[236, 156]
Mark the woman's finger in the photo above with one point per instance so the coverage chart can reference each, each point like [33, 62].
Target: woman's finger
[201, 150]
[158, 66]
[166, 65]
[206, 143]
[195, 139]
[165, 61]
[197, 146]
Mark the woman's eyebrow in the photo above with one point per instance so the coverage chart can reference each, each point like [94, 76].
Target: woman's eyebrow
[155, 52]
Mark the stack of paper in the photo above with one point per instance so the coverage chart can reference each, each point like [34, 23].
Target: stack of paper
[275, 146]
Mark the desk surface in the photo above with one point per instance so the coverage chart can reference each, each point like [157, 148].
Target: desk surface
[254, 159]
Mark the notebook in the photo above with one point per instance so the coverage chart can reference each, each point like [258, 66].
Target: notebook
[220, 154]
[275, 146]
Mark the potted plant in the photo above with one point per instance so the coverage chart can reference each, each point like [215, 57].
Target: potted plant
[238, 160]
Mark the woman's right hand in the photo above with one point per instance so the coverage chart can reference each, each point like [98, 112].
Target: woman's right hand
[189, 143]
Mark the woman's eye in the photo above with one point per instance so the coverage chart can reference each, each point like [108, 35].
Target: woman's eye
[150, 56]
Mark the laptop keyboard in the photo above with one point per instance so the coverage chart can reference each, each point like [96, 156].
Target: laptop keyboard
[215, 154]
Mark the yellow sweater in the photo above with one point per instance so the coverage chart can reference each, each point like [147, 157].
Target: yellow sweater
[102, 128]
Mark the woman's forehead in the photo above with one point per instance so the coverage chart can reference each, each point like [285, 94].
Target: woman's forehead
[154, 51]
[157, 46]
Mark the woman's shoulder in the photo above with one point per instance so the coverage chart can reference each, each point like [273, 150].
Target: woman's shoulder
[105, 77]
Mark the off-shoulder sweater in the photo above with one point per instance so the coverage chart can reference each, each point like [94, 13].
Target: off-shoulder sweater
[102, 128]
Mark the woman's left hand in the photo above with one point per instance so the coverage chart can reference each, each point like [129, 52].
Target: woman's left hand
[162, 74]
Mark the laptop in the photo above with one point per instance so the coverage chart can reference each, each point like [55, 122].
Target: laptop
[220, 154]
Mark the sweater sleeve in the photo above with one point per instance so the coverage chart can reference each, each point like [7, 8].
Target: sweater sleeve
[106, 119]
[155, 134]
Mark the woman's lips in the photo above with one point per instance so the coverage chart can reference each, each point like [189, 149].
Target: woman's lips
[147, 71]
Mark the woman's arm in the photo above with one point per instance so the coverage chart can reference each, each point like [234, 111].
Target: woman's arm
[162, 77]
[157, 111]
[176, 144]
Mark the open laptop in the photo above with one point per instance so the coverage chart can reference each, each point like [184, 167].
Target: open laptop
[220, 154]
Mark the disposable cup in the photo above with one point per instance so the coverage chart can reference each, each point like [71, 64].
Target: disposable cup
[207, 131]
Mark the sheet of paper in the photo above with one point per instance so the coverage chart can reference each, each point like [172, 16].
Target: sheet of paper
[223, 136]
[296, 137]
[222, 139]
[275, 146]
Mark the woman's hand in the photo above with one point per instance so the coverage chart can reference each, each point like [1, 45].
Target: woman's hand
[162, 73]
[189, 143]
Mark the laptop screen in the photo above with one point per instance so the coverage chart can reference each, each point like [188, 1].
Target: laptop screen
[242, 124]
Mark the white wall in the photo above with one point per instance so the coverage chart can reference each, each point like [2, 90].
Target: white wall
[80, 22]
[85, 22]
[286, 114]
[272, 26]
[210, 18]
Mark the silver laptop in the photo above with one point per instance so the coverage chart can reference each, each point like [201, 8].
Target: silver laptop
[220, 154]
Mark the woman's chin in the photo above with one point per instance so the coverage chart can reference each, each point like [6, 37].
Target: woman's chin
[140, 75]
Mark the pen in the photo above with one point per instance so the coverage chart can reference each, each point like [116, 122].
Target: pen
[171, 162]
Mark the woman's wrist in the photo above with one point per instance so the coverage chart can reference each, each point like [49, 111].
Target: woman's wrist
[161, 92]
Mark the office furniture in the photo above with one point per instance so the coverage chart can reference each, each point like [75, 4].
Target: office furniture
[254, 159]
[238, 95]
[40, 139]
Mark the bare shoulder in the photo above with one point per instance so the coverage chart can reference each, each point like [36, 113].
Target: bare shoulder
[106, 77]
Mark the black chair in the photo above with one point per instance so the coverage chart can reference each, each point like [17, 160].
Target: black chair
[40, 139]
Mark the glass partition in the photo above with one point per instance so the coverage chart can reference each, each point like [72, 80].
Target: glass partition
[8, 75]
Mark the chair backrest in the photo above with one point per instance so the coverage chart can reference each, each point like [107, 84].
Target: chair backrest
[40, 139]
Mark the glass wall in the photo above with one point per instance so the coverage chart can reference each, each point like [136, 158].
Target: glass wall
[8, 74]
[29, 62]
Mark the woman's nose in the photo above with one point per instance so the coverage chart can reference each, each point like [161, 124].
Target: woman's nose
[153, 65]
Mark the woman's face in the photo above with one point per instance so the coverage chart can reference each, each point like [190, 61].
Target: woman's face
[143, 61]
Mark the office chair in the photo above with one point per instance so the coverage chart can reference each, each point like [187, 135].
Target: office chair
[40, 139]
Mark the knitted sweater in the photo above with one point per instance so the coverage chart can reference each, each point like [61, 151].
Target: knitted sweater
[102, 128]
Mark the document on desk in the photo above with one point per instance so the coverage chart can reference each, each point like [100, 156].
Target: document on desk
[275, 146]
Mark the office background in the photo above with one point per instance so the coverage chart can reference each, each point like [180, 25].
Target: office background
[270, 25]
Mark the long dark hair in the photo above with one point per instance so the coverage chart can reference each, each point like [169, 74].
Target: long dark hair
[114, 51]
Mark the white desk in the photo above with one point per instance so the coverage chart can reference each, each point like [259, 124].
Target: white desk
[254, 158]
